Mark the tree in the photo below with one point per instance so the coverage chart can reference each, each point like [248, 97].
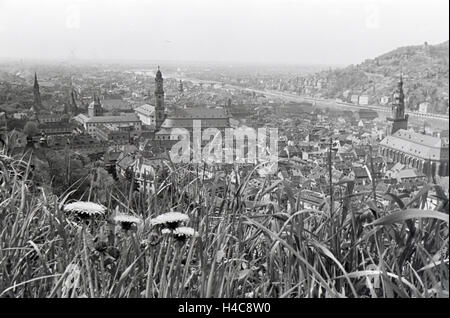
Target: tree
[31, 129]
[101, 184]
[63, 176]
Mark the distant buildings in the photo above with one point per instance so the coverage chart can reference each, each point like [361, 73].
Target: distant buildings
[363, 100]
[116, 105]
[359, 175]
[49, 118]
[113, 133]
[346, 94]
[402, 174]
[423, 107]
[123, 122]
[61, 127]
[146, 114]
[209, 117]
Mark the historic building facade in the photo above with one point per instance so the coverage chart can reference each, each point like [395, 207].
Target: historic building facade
[428, 154]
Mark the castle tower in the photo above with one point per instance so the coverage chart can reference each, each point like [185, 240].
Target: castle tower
[37, 105]
[159, 98]
[95, 108]
[398, 117]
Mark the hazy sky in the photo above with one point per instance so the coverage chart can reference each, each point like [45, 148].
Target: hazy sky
[289, 31]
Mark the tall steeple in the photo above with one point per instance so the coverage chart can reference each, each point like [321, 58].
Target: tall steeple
[159, 98]
[398, 117]
[37, 105]
[66, 108]
[228, 107]
[180, 87]
[73, 104]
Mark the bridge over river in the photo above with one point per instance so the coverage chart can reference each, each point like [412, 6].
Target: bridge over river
[335, 104]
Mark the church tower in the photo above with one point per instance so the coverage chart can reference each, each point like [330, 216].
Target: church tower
[398, 117]
[95, 108]
[180, 88]
[73, 104]
[159, 98]
[37, 105]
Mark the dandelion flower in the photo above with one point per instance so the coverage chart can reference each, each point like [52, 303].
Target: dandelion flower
[126, 221]
[183, 233]
[170, 220]
[85, 208]
[166, 231]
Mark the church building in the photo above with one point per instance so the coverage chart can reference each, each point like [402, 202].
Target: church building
[427, 154]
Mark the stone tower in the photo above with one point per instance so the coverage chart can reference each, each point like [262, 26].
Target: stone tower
[159, 99]
[398, 117]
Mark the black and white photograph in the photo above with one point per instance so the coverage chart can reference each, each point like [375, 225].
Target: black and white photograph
[238, 150]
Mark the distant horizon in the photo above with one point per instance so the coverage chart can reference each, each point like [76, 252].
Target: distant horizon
[125, 61]
[270, 32]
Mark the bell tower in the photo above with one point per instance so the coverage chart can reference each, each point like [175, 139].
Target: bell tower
[160, 115]
[398, 117]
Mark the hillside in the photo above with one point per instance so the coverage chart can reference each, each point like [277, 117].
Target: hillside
[425, 70]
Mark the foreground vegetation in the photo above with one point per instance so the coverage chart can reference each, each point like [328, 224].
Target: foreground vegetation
[241, 245]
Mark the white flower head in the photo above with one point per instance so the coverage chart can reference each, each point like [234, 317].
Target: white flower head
[85, 208]
[184, 231]
[170, 219]
[126, 220]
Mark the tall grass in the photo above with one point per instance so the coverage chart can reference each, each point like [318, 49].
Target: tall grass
[245, 248]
